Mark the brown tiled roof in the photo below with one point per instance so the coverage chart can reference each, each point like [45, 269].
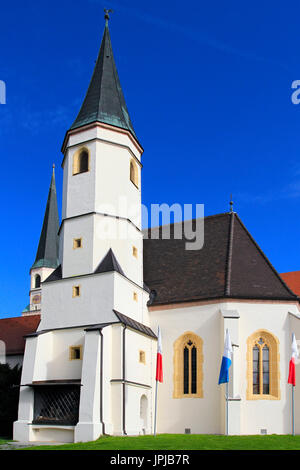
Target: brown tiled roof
[292, 279]
[230, 265]
[13, 330]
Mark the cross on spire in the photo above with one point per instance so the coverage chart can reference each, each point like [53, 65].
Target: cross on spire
[107, 12]
[231, 203]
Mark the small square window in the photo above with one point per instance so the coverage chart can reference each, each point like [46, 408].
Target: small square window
[77, 243]
[134, 251]
[142, 357]
[75, 353]
[76, 291]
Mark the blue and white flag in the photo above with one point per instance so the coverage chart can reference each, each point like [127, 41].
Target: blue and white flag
[226, 360]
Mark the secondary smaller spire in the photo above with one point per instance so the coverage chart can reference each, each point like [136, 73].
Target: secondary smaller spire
[47, 252]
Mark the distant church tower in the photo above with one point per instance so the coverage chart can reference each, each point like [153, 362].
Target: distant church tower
[46, 260]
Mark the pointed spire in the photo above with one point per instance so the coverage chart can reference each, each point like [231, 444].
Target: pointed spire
[104, 100]
[47, 253]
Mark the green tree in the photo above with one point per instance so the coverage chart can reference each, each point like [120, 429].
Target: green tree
[9, 398]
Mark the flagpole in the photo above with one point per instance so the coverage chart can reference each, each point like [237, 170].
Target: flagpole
[227, 392]
[155, 409]
[292, 377]
[224, 375]
[293, 410]
[159, 374]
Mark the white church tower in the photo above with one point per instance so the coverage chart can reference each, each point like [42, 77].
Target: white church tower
[89, 369]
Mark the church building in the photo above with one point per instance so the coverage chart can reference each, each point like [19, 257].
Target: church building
[97, 297]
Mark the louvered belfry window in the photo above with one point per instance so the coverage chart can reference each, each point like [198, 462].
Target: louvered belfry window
[56, 405]
[83, 165]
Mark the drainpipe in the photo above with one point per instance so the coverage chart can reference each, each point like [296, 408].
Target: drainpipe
[101, 385]
[123, 380]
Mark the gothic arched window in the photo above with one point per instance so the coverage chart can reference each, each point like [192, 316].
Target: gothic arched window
[188, 365]
[134, 173]
[263, 366]
[81, 161]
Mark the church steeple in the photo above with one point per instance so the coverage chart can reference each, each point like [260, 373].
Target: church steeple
[102, 167]
[104, 101]
[47, 253]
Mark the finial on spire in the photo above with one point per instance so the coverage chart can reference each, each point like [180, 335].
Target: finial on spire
[106, 16]
[231, 203]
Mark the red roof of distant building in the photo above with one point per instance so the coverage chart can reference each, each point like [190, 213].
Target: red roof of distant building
[13, 330]
[292, 279]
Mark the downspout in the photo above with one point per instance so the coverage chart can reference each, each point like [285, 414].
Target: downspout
[123, 380]
[101, 385]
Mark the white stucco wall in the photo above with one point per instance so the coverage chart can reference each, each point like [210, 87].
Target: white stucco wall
[77, 261]
[105, 188]
[52, 360]
[95, 304]
[207, 414]
[201, 415]
[139, 381]
[124, 300]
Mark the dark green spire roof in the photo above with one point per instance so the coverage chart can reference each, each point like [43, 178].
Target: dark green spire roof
[47, 253]
[104, 101]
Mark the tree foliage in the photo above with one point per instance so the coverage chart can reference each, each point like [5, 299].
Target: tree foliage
[9, 397]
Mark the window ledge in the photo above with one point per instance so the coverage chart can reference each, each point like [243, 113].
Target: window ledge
[80, 172]
[263, 397]
[51, 426]
[134, 184]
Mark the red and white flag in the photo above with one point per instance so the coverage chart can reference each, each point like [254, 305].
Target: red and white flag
[292, 368]
[159, 366]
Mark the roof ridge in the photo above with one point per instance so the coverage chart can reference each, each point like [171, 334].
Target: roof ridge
[291, 272]
[266, 259]
[23, 317]
[229, 256]
[117, 79]
[221, 214]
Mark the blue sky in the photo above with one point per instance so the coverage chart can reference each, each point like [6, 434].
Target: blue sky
[208, 88]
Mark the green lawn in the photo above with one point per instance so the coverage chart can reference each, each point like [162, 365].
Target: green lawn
[185, 442]
[4, 441]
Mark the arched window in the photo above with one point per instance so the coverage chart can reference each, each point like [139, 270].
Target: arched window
[263, 366]
[37, 281]
[81, 161]
[188, 366]
[134, 173]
